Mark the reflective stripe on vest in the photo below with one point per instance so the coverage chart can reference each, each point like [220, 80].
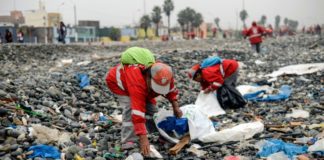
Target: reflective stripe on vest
[119, 82]
[138, 113]
[255, 35]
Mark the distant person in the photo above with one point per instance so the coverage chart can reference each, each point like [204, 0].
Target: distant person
[20, 36]
[8, 36]
[318, 29]
[255, 34]
[62, 32]
[0, 38]
[214, 30]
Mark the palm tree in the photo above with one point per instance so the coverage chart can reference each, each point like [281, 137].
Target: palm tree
[286, 21]
[145, 23]
[156, 18]
[197, 20]
[168, 8]
[243, 16]
[277, 21]
[263, 20]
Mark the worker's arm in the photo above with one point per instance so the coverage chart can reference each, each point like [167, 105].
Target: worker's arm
[172, 96]
[137, 90]
[215, 80]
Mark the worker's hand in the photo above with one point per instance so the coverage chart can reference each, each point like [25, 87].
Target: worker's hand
[176, 109]
[177, 112]
[144, 145]
[208, 90]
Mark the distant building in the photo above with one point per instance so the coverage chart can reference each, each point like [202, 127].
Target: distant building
[15, 18]
[130, 32]
[54, 19]
[37, 18]
[86, 34]
[88, 23]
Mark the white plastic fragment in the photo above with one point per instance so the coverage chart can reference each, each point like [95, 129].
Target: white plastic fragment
[298, 69]
[278, 156]
[318, 146]
[195, 149]
[237, 133]
[298, 113]
[154, 153]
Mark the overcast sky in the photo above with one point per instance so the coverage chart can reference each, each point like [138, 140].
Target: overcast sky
[126, 12]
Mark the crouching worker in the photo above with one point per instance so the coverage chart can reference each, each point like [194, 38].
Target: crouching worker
[136, 82]
[215, 74]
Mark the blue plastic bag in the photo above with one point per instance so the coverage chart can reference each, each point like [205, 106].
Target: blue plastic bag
[284, 93]
[44, 151]
[274, 146]
[83, 79]
[210, 62]
[180, 125]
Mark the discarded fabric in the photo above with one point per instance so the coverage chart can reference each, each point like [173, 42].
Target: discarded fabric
[44, 151]
[273, 146]
[83, 80]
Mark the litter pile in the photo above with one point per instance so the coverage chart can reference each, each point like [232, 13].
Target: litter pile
[54, 102]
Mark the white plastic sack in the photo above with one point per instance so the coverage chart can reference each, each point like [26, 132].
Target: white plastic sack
[298, 69]
[245, 89]
[208, 104]
[199, 124]
[318, 146]
[278, 156]
[237, 133]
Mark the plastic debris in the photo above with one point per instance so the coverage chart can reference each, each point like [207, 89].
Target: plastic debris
[278, 156]
[259, 96]
[318, 146]
[154, 153]
[195, 149]
[237, 133]
[83, 80]
[44, 151]
[298, 113]
[170, 124]
[46, 135]
[298, 69]
[209, 105]
[273, 146]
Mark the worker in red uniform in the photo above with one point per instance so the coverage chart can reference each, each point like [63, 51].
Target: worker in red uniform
[255, 34]
[136, 86]
[214, 76]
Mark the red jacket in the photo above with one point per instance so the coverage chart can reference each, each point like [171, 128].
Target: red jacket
[212, 76]
[130, 81]
[255, 34]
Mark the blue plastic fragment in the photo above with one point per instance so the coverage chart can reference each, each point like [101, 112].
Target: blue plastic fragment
[284, 93]
[170, 124]
[83, 79]
[274, 146]
[44, 151]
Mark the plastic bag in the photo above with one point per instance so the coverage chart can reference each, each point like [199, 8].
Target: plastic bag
[44, 151]
[171, 124]
[298, 113]
[208, 104]
[229, 97]
[199, 123]
[237, 133]
[274, 146]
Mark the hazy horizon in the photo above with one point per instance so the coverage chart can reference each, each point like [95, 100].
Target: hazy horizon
[127, 12]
